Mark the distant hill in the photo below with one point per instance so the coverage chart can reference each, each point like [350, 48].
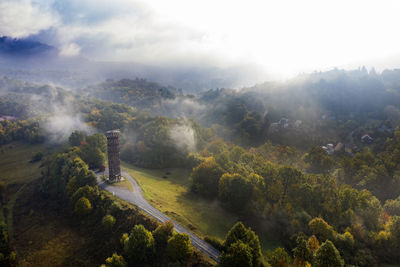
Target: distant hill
[22, 48]
[138, 93]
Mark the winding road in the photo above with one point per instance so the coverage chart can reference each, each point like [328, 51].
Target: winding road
[136, 197]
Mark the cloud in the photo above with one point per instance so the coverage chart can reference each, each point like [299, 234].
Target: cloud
[60, 116]
[21, 18]
[280, 36]
[71, 49]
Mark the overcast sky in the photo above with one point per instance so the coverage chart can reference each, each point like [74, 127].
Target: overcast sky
[283, 37]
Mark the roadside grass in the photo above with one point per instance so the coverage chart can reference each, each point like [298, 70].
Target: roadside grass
[172, 196]
[124, 184]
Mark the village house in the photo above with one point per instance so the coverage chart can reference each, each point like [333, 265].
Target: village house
[366, 139]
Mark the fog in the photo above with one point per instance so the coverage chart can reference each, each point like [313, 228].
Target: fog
[59, 127]
[183, 137]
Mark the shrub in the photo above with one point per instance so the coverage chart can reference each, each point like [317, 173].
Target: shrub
[83, 207]
[108, 222]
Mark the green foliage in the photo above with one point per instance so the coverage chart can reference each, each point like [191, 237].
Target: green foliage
[162, 234]
[328, 256]
[395, 231]
[83, 207]
[4, 244]
[65, 173]
[3, 192]
[26, 130]
[289, 177]
[235, 191]
[139, 246]
[108, 222]
[128, 152]
[115, 261]
[321, 229]
[239, 254]
[301, 253]
[93, 150]
[76, 138]
[86, 191]
[179, 248]
[138, 92]
[392, 206]
[319, 160]
[205, 177]
[247, 236]
[215, 242]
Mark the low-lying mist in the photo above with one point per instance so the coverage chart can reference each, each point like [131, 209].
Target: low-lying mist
[183, 137]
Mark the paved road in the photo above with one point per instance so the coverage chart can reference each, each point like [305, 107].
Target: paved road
[136, 198]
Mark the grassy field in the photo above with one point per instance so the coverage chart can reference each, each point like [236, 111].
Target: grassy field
[16, 170]
[15, 166]
[172, 196]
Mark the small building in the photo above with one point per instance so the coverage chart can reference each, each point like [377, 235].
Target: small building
[297, 123]
[338, 147]
[7, 118]
[328, 148]
[348, 150]
[367, 139]
[284, 122]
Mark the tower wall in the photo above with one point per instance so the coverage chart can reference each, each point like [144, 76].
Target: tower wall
[114, 168]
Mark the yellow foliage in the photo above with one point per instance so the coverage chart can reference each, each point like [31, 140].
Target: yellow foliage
[313, 243]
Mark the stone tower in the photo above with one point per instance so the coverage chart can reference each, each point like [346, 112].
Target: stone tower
[114, 168]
